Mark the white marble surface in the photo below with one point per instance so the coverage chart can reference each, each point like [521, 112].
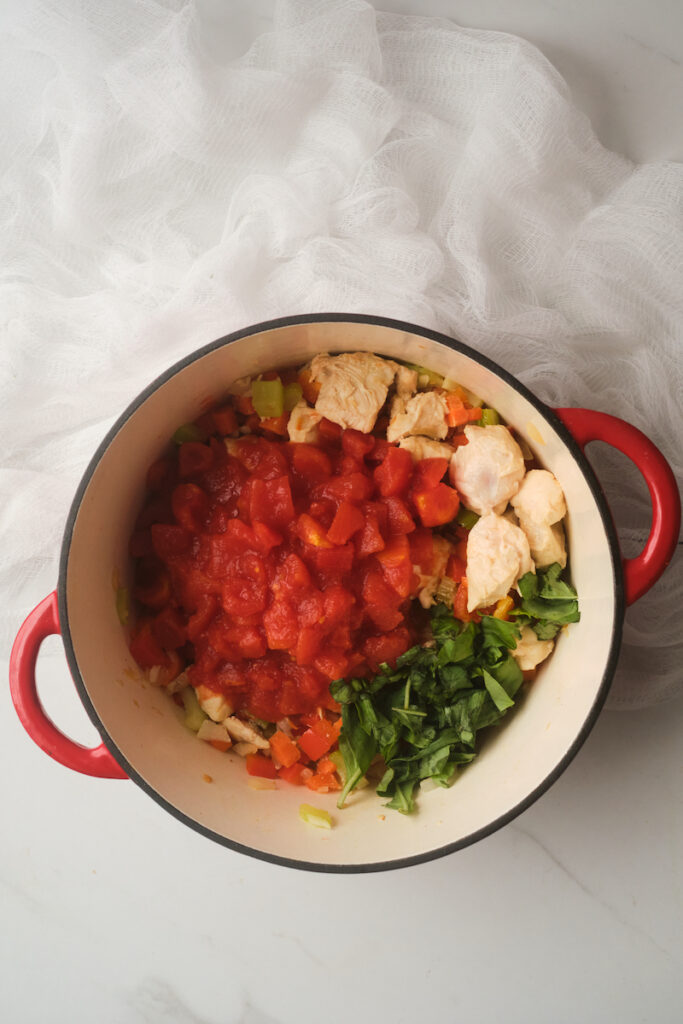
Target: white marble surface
[114, 912]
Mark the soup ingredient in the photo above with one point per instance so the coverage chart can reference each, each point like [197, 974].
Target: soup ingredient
[302, 426]
[548, 602]
[268, 398]
[497, 556]
[539, 505]
[315, 816]
[488, 470]
[423, 717]
[489, 418]
[423, 414]
[530, 651]
[425, 448]
[353, 387]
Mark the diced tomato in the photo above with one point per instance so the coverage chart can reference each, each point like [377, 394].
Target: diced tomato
[324, 781]
[428, 473]
[263, 458]
[380, 450]
[225, 420]
[310, 608]
[260, 766]
[190, 506]
[422, 549]
[395, 472]
[197, 623]
[397, 565]
[270, 501]
[145, 648]
[387, 647]
[353, 487]
[460, 605]
[357, 444]
[347, 521]
[332, 664]
[169, 628]
[312, 532]
[194, 458]
[335, 559]
[399, 519]
[370, 539]
[281, 626]
[329, 431]
[308, 644]
[240, 596]
[337, 603]
[381, 601]
[293, 574]
[159, 474]
[436, 506]
[311, 462]
[266, 537]
[245, 405]
[169, 540]
[140, 544]
[458, 440]
[152, 584]
[284, 749]
[456, 568]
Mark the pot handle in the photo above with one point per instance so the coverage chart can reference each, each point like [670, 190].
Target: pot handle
[40, 623]
[641, 572]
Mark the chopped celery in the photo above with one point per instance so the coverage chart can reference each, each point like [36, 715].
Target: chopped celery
[466, 518]
[445, 591]
[426, 378]
[292, 396]
[267, 397]
[194, 716]
[122, 605]
[489, 418]
[314, 816]
[188, 432]
[337, 759]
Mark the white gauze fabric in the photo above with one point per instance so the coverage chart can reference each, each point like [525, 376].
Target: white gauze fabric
[158, 195]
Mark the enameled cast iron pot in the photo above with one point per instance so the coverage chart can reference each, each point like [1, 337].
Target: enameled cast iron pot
[143, 737]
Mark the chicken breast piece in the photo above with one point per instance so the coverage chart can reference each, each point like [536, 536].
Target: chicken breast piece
[302, 425]
[353, 387]
[429, 583]
[425, 448]
[244, 733]
[406, 381]
[497, 555]
[488, 470]
[540, 505]
[424, 413]
[530, 651]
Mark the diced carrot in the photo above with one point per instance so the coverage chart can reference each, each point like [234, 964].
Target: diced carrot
[284, 749]
[309, 387]
[261, 766]
[296, 774]
[220, 744]
[245, 405]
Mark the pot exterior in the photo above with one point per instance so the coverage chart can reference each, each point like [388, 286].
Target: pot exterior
[142, 727]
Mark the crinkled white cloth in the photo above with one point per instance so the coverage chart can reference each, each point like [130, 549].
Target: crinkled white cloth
[154, 199]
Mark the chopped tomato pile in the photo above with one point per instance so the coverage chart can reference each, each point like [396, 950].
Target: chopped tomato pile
[269, 568]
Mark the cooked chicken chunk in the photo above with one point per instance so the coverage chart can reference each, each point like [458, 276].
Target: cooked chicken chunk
[425, 448]
[406, 382]
[303, 423]
[540, 505]
[488, 469]
[240, 731]
[424, 413]
[530, 651]
[497, 555]
[429, 582]
[353, 387]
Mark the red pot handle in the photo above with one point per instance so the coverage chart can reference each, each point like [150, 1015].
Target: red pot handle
[645, 569]
[42, 622]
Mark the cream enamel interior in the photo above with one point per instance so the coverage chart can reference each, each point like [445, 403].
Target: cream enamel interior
[146, 726]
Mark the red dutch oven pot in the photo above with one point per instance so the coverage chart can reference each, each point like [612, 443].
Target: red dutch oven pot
[143, 737]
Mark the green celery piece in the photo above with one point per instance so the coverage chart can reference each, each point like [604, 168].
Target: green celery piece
[188, 432]
[315, 816]
[434, 380]
[489, 418]
[267, 397]
[466, 518]
[292, 395]
[194, 716]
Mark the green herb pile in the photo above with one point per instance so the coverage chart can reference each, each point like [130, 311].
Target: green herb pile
[423, 717]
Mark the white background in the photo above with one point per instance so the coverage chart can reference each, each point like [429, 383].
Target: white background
[114, 912]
